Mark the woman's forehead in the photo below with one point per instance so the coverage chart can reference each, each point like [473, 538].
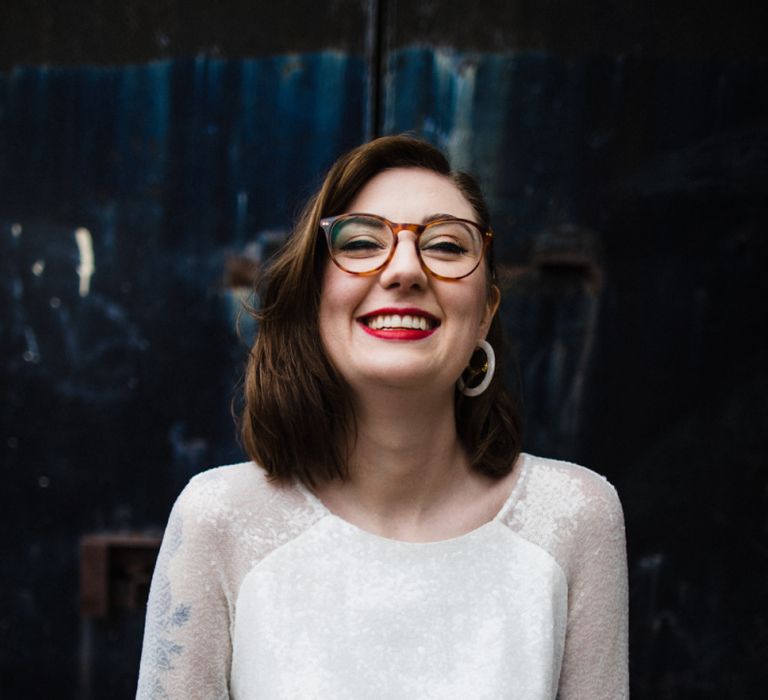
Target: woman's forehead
[411, 195]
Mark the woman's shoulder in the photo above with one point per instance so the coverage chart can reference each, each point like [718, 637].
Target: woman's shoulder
[229, 518]
[225, 487]
[560, 506]
[567, 485]
[241, 495]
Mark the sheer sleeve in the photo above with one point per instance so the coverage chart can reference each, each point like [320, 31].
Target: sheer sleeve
[187, 648]
[595, 661]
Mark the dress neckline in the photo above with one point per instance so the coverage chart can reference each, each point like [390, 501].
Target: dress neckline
[523, 465]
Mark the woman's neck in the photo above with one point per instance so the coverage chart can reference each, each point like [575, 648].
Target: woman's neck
[409, 476]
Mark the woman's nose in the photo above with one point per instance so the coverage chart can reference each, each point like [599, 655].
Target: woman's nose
[404, 268]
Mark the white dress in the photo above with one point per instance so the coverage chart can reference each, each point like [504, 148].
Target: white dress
[261, 592]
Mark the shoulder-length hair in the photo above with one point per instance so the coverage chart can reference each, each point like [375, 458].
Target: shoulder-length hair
[297, 420]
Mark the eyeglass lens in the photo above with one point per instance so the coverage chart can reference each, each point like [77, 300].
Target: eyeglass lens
[448, 248]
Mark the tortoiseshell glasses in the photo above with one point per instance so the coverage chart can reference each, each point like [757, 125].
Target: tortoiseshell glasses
[363, 244]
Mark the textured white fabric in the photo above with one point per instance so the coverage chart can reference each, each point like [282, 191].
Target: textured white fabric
[261, 592]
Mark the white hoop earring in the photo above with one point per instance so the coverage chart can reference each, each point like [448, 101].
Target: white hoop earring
[489, 369]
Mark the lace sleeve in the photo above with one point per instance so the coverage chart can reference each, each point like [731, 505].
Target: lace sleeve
[187, 649]
[595, 662]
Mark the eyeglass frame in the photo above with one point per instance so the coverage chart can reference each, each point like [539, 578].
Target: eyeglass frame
[326, 224]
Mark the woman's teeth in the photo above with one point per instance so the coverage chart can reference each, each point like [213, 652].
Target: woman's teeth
[396, 321]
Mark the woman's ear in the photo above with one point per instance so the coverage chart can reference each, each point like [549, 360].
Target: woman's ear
[491, 307]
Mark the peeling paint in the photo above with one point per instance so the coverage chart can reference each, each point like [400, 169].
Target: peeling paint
[87, 267]
[32, 353]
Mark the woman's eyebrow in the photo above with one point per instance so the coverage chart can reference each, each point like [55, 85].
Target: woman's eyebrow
[436, 217]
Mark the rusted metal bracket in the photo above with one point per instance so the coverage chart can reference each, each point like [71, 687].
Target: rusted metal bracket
[115, 572]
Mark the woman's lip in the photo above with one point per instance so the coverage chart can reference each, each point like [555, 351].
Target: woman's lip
[398, 333]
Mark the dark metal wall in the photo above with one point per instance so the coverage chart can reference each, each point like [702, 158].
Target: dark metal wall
[152, 155]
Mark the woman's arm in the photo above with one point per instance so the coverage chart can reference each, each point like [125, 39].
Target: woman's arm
[187, 648]
[595, 662]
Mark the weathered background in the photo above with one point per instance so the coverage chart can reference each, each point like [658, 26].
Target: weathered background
[153, 152]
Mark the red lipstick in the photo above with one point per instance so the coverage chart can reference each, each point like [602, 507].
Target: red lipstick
[400, 333]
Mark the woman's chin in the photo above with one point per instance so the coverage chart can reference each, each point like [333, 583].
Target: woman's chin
[415, 380]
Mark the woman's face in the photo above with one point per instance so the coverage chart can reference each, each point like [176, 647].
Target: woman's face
[366, 345]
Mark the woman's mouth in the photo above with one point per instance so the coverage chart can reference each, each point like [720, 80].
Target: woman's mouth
[406, 325]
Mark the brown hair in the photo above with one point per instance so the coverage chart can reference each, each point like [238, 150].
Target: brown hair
[298, 419]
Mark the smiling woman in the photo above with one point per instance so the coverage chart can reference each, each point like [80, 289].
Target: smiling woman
[360, 310]
[388, 538]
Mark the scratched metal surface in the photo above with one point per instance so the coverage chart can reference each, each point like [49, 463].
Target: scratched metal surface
[125, 193]
[630, 201]
[637, 354]
[628, 190]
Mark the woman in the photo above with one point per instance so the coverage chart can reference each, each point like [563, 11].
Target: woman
[388, 540]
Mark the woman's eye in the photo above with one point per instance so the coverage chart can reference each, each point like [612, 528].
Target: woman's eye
[446, 247]
[361, 247]
[360, 244]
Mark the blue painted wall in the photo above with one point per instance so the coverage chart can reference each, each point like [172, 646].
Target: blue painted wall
[628, 193]
[113, 395]
[630, 202]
